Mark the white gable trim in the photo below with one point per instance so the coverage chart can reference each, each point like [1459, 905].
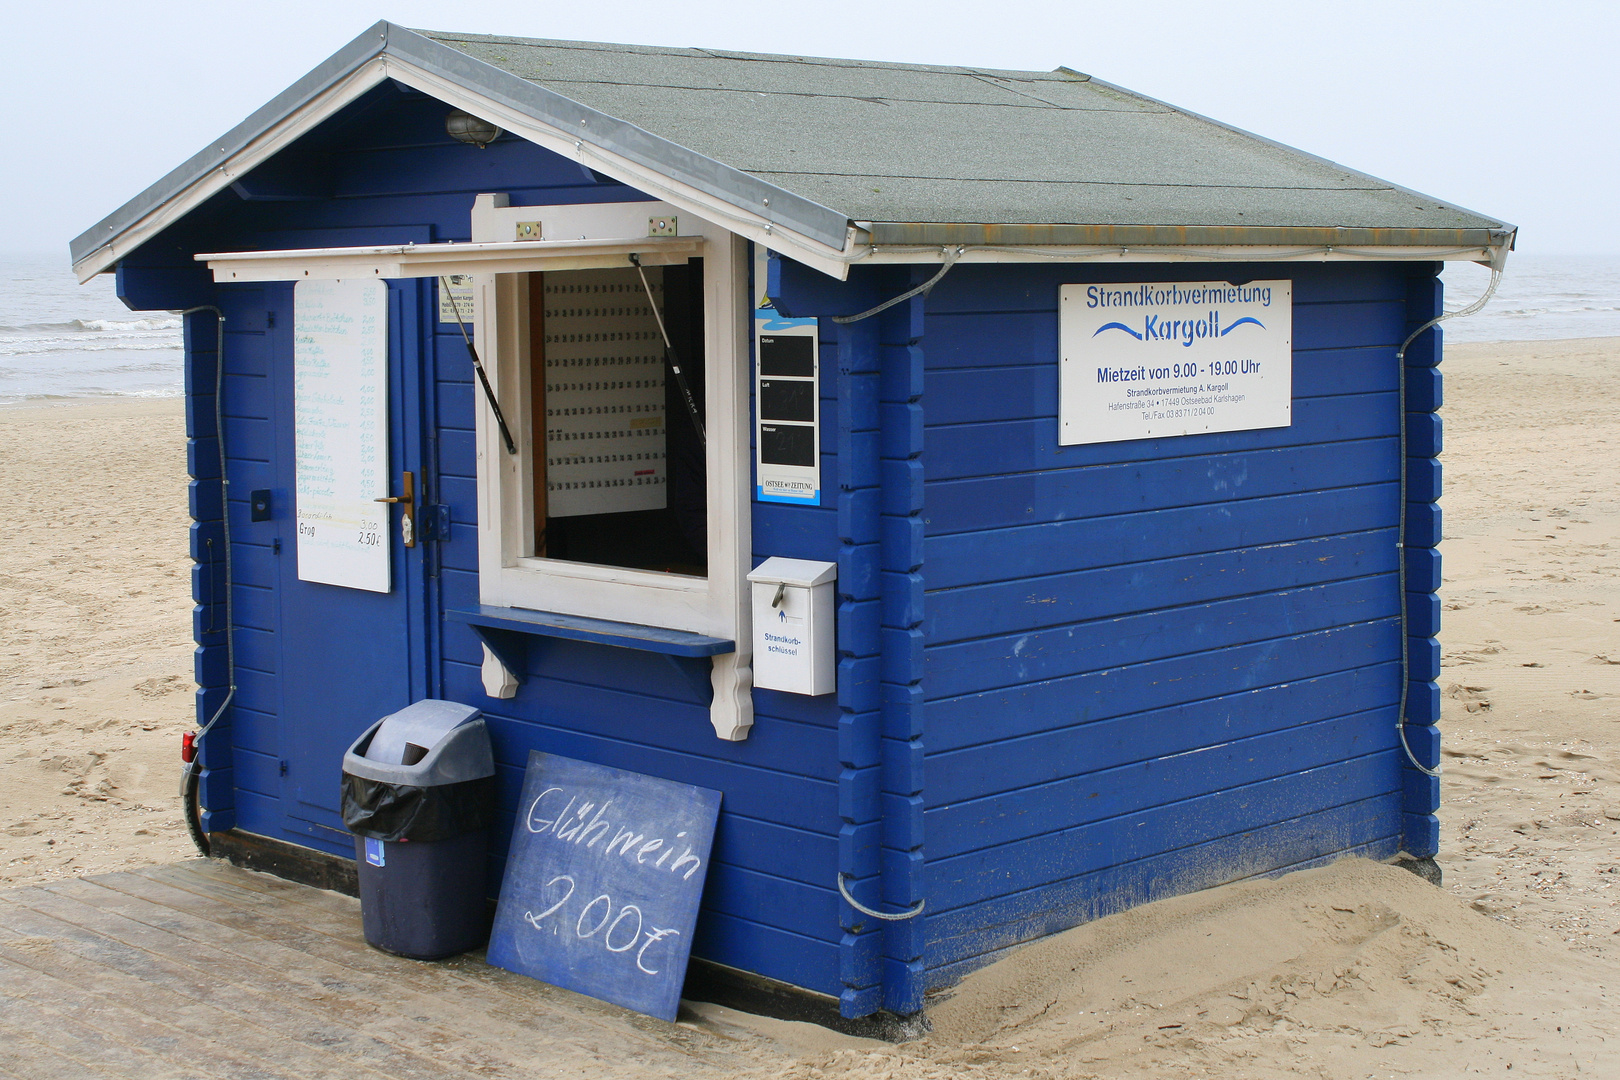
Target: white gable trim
[324, 104]
[435, 260]
[233, 166]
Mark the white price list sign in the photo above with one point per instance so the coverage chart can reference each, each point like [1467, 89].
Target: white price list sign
[340, 405]
[1145, 360]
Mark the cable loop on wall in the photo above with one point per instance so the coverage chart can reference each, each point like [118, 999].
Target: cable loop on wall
[1400, 531]
[950, 256]
[916, 909]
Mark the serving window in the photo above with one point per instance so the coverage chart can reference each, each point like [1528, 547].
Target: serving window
[627, 498]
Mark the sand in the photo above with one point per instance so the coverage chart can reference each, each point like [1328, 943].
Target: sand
[95, 654]
[1351, 970]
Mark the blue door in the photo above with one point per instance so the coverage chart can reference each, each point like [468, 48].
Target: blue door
[350, 656]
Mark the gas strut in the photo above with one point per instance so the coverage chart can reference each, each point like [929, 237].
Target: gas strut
[478, 366]
[669, 351]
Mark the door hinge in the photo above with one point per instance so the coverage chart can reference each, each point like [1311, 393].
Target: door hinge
[436, 522]
[283, 766]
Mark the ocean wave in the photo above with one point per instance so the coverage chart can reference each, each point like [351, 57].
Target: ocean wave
[29, 371]
[1534, 312]
[152, 322]
[36, 346]
[146, 323]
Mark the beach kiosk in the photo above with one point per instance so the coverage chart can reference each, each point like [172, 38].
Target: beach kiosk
[1000, 486]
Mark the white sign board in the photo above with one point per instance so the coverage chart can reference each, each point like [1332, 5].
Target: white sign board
[456, 300]
[1150, 359]
[340, 424]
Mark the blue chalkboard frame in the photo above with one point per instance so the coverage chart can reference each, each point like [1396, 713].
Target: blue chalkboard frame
[603, 881]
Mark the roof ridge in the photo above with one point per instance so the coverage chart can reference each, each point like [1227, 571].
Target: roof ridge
[1059, 74]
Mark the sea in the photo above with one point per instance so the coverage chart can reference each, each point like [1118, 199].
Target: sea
[61, 340]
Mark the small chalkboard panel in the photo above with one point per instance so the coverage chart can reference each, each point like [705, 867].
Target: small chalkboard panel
[602, 882]
[787, 354]
[781, 444]
[787, 399]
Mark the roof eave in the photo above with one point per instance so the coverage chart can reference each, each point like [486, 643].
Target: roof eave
[924, 233]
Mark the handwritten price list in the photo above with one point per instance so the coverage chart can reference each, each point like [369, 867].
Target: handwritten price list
[340, 406]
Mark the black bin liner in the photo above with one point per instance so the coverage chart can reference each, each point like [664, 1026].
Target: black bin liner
[392, 812]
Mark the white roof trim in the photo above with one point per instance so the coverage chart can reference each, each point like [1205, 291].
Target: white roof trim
[434, 260]
[232, 167]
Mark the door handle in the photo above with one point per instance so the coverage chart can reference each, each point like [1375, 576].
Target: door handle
[407, 507]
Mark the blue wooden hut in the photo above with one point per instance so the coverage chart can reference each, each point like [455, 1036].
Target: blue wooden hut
[1079, 664]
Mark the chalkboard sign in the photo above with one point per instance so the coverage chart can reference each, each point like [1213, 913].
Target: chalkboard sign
[340, 431]
[602, 882]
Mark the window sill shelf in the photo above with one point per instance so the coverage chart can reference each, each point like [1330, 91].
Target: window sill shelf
[599, 631]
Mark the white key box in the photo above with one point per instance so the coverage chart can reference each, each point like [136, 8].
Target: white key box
[794, 626]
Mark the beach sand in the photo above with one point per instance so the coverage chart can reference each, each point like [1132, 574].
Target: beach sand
[95, 656]
[1351, 970]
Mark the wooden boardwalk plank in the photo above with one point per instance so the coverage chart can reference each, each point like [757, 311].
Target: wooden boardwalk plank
[336, 936]
[319, 1015]
[152, 1044]
[367, 980]
[96, 969]
[27, 1058]
[202, 970]
[263, 895]
[31, 1026]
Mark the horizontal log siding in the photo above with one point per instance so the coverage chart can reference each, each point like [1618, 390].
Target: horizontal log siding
[1158, 665]
[383, 173]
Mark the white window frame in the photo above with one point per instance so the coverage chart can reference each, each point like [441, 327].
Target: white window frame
[508, 575]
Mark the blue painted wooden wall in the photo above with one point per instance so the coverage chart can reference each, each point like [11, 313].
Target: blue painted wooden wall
[385, 173]
[1071, 679]
[1117, 672]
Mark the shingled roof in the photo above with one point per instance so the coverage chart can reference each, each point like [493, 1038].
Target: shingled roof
[900, 153]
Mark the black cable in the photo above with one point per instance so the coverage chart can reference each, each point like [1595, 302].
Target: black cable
[190, 789]
[191, 777]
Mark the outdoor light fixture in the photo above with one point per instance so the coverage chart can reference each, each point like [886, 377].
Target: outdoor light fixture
[469, 129]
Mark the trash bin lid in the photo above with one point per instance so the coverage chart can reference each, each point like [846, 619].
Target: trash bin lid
[426, 744]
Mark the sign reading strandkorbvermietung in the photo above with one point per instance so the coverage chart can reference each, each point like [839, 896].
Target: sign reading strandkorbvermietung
[1145, 360]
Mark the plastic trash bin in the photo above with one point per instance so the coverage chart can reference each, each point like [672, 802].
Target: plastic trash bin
[418, 793]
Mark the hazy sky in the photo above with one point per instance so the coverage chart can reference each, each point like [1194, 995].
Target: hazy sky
[1511, 109]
